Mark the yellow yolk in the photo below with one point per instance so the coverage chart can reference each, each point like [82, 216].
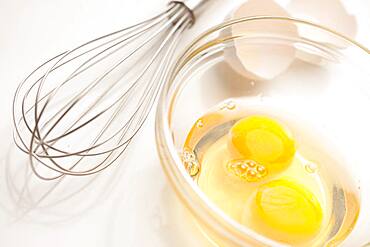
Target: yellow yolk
[286, 210]
[264, 141]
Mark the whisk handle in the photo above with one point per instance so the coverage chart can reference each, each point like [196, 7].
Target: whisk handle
[194, 6]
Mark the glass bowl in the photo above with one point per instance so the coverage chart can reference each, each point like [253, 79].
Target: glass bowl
[302, 67]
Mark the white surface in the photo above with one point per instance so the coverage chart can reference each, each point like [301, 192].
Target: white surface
[131, 204]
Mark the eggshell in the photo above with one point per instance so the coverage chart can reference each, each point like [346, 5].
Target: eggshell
[328, 13]
[260, 59]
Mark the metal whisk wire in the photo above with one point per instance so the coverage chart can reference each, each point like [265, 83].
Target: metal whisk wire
[88, 118]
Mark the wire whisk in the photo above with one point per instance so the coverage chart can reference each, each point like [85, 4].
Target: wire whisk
[77, 113]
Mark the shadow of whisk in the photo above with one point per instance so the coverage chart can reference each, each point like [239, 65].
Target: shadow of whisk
[28, 198]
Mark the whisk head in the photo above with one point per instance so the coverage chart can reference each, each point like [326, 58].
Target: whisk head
[77, 113]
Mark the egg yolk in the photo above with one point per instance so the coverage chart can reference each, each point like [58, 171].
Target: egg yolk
[264, 141]
[286, 210]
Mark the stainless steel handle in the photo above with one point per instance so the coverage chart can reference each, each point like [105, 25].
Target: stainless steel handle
[194, 6]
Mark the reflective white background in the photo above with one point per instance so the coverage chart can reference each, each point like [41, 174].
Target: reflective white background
[131, 204]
